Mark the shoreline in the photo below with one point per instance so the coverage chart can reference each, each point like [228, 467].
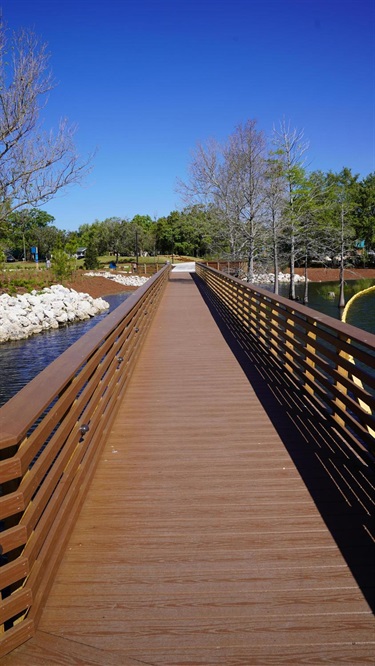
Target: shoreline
[100, 286]
[333, 274]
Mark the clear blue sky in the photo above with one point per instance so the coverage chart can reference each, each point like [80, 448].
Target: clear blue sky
[145, 80]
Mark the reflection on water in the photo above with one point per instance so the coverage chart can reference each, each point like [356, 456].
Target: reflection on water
[22, 360]
[324, 297]
[361, 312]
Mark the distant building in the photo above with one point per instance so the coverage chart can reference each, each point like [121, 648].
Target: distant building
[81, 253]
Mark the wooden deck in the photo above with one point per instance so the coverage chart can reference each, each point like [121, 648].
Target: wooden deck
[204, 538]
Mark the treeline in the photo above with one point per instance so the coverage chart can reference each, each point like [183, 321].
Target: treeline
[269, 209]
[246, 199]
[188, 232]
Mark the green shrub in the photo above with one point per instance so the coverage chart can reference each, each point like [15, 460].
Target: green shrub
[62, 265]
[91, 256]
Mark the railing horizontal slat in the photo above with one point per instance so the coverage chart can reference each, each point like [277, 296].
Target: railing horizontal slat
[331, 361]
[51, 434]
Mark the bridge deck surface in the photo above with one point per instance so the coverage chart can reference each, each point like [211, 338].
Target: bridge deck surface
[199, 542]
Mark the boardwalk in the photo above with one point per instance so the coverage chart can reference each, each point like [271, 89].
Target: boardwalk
[199, 542]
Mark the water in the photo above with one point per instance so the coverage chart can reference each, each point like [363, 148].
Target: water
[22, 360]
[361, 313]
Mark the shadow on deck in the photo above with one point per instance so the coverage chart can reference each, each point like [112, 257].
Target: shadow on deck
[340, 484]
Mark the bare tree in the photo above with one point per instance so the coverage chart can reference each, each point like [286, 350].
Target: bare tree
[210, 184]
[290, 148]
[274, 203]
[230, 177]
[245, 162]
[34, 164]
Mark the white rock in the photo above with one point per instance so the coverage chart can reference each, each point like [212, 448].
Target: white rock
[49, 313]
[127, 280]
[269, 278]
[28, 314]
[85, 306]
[32, 300]
[57, 306]
[62, 318]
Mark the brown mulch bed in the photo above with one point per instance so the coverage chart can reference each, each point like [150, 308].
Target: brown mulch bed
[96, 286]
[332, 274]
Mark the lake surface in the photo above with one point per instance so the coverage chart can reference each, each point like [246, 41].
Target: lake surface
[22, 360]
[361, 313]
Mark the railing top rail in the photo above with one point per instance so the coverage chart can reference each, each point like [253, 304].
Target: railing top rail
[20, 412]
[347, 330]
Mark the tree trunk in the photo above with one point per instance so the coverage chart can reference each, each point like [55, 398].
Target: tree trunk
[275, 265]
[306, 290]
[342, 281]
[292, 285]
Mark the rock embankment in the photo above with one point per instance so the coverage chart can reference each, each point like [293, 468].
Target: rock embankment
[126, 280]
[27, 314]
[269, 278]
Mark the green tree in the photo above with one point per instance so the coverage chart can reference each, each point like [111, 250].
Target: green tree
[62, 265]
[71, 242]
[364, 212]
[143, 221]
[165, 233]
[47, 239]
[91, 257]
[341, 196]
[24, 228]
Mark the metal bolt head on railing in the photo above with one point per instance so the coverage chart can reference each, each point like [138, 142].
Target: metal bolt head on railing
[84, 429]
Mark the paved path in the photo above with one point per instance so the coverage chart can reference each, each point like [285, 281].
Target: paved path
[186, 267]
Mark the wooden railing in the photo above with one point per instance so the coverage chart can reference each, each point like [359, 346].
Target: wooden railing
[234, 268]
[331, 362]
[51, 435]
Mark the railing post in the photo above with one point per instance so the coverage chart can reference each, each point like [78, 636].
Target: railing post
[289, 341]
[311, 348]
[341, 387]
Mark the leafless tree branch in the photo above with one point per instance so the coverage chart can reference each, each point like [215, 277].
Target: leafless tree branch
[34, 164]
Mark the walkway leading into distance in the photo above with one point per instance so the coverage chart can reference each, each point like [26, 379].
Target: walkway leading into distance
[199, 542]
[184, 267]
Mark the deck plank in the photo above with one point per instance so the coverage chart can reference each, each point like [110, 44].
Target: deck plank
[199, 543]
